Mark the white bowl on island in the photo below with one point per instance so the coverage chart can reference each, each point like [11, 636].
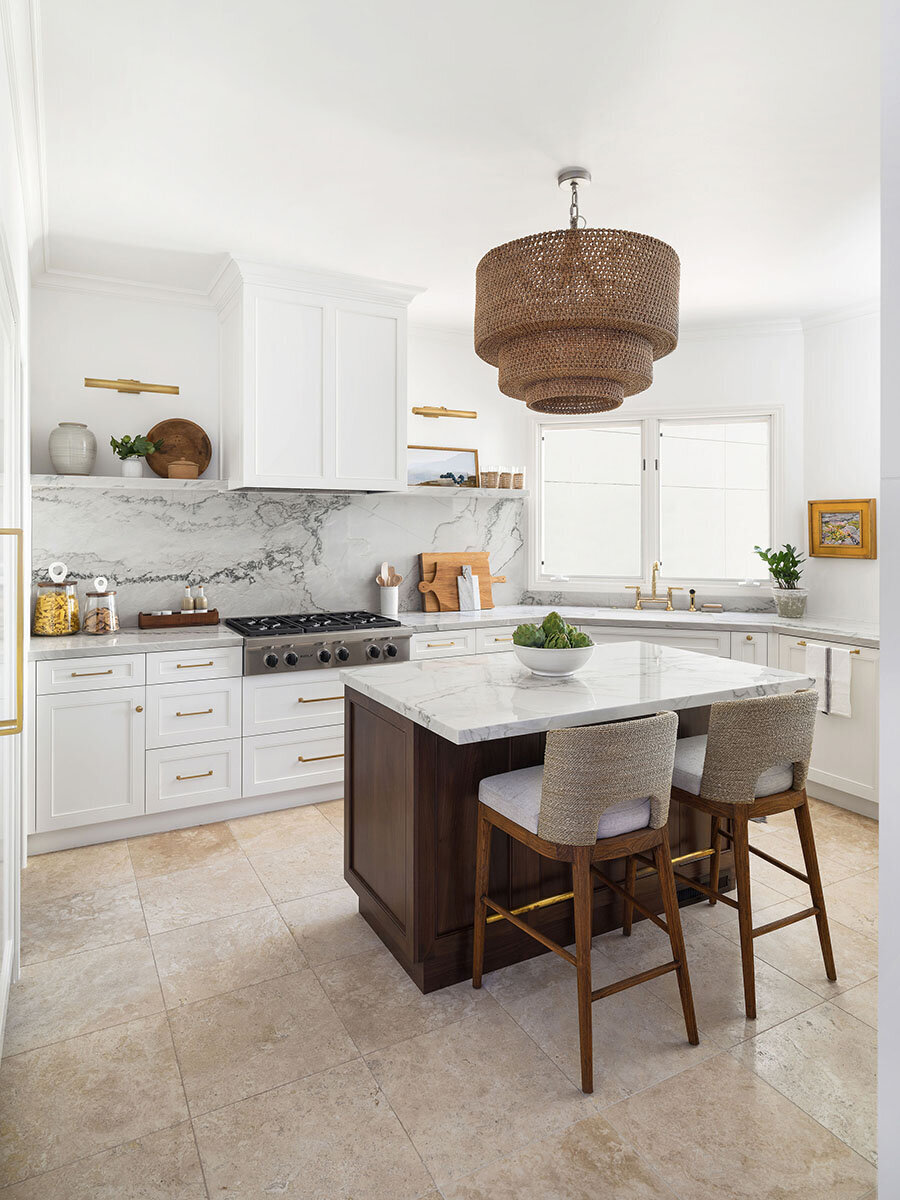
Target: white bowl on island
[553, 663]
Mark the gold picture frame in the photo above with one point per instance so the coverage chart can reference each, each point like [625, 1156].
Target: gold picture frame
[424, 469]
[842, 529]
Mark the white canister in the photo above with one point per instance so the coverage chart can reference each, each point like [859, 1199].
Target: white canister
[73, 448]
[390, 601]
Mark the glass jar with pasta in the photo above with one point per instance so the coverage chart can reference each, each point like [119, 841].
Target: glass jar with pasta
[55, 608]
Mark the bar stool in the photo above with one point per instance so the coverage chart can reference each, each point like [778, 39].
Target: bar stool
[753, 763]
[602, 793]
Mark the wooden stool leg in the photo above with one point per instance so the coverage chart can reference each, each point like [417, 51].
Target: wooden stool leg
[630, 881]
[741, 847]
[583, 890]
[663, 857]
[482, 881]
[715, 843]
[808, 845]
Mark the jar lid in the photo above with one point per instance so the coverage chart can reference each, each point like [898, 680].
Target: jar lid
[56, 583]
[100, 593]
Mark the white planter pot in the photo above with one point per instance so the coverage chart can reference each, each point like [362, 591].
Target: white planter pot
[132, 468]
[790, 602]
[73, 448]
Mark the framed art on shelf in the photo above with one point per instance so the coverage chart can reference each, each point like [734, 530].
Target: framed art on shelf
[842, 529]
[441, 466]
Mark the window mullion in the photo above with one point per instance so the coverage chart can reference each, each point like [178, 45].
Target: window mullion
[650, 496]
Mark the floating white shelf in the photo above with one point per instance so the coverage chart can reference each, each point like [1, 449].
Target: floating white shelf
[146, 483]
[495, 493]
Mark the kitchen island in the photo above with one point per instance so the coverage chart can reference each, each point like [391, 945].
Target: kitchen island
[420, 736]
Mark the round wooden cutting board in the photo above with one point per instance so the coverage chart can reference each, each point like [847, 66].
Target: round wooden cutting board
[180, 439]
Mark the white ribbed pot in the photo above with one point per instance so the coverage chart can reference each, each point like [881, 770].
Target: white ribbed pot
[790, 602]
[132, 468]
[73, 448]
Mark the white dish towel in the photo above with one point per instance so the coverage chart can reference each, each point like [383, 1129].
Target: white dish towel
[839, 691]
[817, 666]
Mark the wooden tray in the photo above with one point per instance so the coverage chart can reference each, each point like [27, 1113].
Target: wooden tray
[181, 439]
[439, 575]
[178, 620]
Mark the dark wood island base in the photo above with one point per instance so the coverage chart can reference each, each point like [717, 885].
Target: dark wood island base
[409, 848]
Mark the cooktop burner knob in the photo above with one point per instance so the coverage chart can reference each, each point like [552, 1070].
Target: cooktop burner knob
[390, 650]
[323, 655]
[373, 651]
[291, 658]
[343, 653]
[271, 660]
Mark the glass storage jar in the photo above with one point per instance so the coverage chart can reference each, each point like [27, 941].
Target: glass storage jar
[55, 608]
[100, 614]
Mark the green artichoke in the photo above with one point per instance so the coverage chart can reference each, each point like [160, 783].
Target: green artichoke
[579, 639]
[557, 641]
[553, 624]
[529, 635]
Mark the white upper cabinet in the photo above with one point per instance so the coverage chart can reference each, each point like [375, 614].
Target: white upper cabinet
[313, 379]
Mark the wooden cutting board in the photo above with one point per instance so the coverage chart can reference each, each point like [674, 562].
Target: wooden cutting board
[439, 589]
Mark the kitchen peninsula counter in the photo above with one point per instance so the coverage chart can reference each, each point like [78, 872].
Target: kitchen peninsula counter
[420, 736]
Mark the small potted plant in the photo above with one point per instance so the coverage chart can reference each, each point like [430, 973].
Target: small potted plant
[785, 569]
[132, 451]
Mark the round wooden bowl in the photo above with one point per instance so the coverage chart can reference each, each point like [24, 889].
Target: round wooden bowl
[181, 439]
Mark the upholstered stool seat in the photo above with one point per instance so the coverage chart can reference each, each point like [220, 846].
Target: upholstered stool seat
[516, 795]
[602, 794]
[690, 755]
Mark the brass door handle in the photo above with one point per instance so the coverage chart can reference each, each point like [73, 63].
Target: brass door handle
[14, 724]
[201, 713]
[202, 775]
[78, 674]
[316, 699]
[188, 666]
[318, 757]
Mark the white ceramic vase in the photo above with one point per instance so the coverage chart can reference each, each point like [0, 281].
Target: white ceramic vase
[73, 448]
[132, 468]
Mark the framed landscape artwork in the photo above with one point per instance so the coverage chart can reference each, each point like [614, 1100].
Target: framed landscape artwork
[441, 466]
[842, 529]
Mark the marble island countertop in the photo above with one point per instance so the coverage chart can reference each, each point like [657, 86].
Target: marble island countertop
[861, 633]
[486, 696]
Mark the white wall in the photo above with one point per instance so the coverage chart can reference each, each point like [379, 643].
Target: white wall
[77, 334]
[841, 451]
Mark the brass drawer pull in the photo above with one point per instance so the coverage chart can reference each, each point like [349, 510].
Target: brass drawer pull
[318, 757]
[316, 699]
[434, 645]
[187, 666]
[496, 639]
[203, 775]
[78, 674]
[201, 713]
[856, 651]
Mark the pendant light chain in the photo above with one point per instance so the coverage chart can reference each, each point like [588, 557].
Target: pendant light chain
[574, 215]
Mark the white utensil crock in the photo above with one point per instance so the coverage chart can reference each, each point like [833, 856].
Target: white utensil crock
[390, 599]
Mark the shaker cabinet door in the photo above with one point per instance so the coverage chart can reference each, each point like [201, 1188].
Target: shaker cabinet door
[369, 407]
[90, 757]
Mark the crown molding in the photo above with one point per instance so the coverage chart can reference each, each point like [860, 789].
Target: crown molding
[868, 308]
[121, 289]
[332, 283]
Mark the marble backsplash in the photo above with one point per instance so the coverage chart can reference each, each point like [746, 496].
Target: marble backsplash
[261, 552]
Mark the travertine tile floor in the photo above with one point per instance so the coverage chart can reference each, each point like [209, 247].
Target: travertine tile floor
[204, 1014]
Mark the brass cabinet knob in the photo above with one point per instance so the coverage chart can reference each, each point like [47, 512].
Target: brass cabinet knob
[749, 637]
[139, 708]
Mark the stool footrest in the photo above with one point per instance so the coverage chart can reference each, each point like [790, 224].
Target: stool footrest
[791, 920]
[619, 890]
[776, 862]
[621, 984]
[531, 931]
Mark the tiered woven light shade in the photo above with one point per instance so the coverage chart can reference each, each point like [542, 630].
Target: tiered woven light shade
[574, 318]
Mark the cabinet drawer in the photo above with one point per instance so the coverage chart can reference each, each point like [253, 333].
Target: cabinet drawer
[181, 713]
[180, 777]
[700, 641]
[442, 645]
[279, 762]
[488, 641]
[187, 666]
[89, 674]
[304, 700]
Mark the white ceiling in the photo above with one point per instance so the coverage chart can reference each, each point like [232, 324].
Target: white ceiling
[401, 139]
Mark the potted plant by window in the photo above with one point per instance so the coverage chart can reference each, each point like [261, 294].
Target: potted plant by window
[132, 451]
[785, 568]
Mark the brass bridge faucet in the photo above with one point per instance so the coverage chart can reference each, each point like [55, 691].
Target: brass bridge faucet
[640, 601]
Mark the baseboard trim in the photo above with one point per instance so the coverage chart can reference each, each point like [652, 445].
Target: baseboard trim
[857, 804]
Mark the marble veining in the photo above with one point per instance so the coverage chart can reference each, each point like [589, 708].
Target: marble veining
[477, 698]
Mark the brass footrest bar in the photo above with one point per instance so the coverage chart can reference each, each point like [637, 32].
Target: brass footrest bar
[621, 984]
[620, 891]
[535, 933]
[535, 904]
[791, 920]
[694, 856]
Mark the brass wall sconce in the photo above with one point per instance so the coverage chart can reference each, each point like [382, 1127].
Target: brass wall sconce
[430, 411]
[132, 386]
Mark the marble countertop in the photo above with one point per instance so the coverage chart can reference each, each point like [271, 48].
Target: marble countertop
[132, 641]
[481, 697]
[859, 633]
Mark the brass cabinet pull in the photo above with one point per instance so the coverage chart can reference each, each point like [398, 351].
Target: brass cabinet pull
[201, 713]
[434, 645]
[78, 674]
[316, 699]
[318, 757]
[202, 775]
[749, 637]
[139, 708]
[801, 643]
[496, 639]
[856, 651]
[187, 666]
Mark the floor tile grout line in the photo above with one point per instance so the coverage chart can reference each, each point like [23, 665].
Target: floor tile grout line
[85, 1033]
[211, 920]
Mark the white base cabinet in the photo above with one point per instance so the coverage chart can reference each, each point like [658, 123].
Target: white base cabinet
[278, 762]
[187, 776]
[750, 648]
[700, 641]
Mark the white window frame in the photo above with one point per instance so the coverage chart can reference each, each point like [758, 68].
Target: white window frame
[540, 581]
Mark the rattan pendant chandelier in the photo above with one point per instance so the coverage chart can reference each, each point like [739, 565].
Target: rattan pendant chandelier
[574, 318]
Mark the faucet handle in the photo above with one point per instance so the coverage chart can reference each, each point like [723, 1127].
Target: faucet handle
[669, 591]
[636, 588]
